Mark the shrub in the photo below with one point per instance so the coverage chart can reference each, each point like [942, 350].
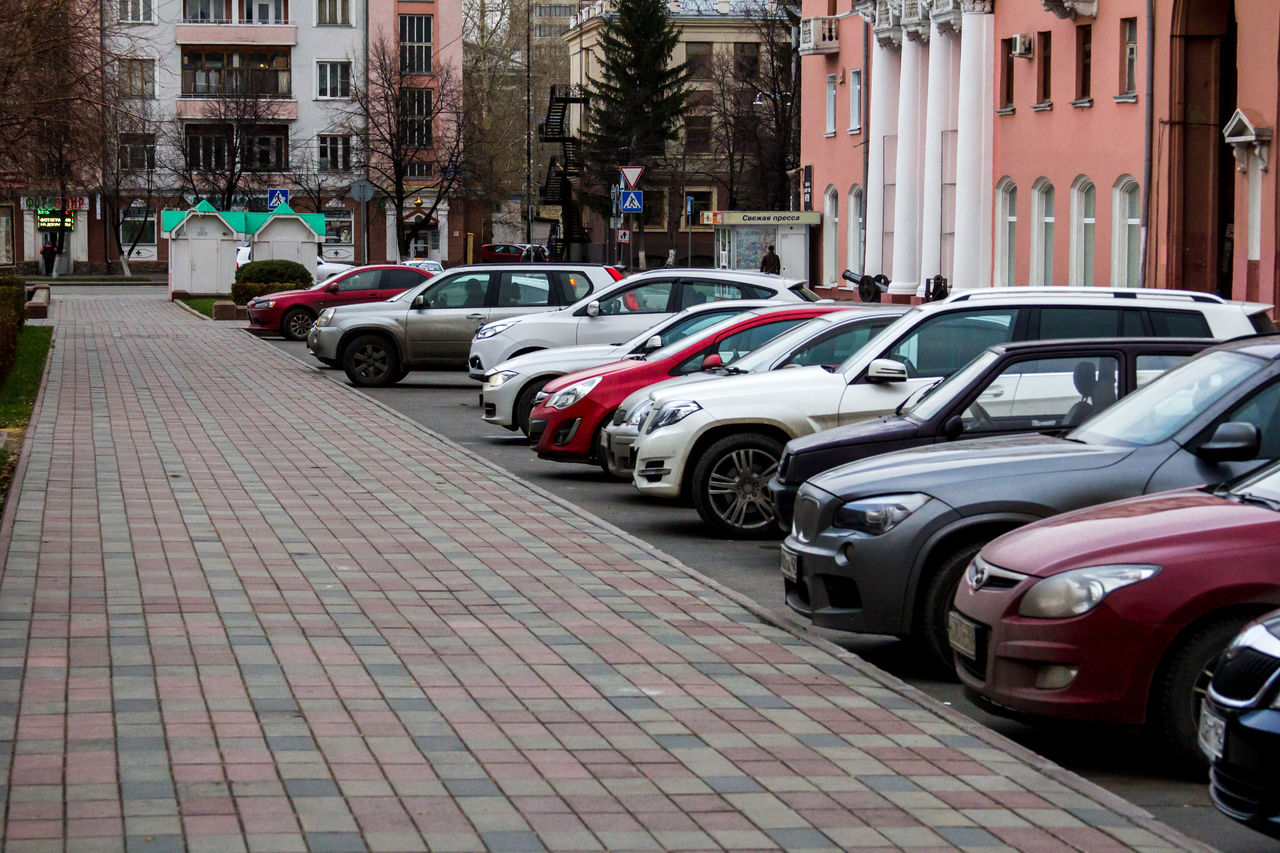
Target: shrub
[13, 313]
[243, 291]
[275, 272]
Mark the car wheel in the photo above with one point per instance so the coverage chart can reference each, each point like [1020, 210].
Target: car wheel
[296, 323]
[729, 486]
[371, 361]
[525, 402]
[600, 455]
[938, 597]
[1181, 683]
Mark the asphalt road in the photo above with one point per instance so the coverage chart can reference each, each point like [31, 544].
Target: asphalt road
[1129, 764]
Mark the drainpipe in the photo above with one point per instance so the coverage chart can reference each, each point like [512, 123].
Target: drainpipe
[1147, 145]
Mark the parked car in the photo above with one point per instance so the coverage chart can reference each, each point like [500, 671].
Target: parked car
[1240, 721]
[292, 313]
[1169, 578]
[625, 309]
[1033, 386]
[694, 432]
[828, 340]
[432, 325]
[328, 269]
[512, 253]
[565, 424]
[879, 545]
[429, 264]
[244, 254]
[507, 395]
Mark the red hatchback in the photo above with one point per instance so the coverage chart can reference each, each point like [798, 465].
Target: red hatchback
[1117, 613]
[291, 313]
[565, 426]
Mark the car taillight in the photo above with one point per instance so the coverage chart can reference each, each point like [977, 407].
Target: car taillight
[615, 272]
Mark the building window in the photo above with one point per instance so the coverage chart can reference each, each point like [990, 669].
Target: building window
[137, 152]
[1006, 233]
[1084, 62]
[421, 170]
[333, 12]
[205, 12]
[1041, 233]
[207, 147]
[830, 230]
[214, 72]
[854, 252]
[1044, 68]
[335, 153]
[137, 223]
[137, 78]
[339, 225]
[855, 100]
[265, 11]
[415, 44]
[417, 118]
[746, 59]
[1129, 57]
[1006, 74]
[1126, 240]
[333, 79]
[654, 215]
[697, 134]
[698, 55]
[831, 105]
[1082, 231]
[266, 149]
[135, 11]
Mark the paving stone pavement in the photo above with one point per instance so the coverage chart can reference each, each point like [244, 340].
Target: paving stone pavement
[244, 608]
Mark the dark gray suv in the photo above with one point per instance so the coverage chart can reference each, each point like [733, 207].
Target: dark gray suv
[878, 545]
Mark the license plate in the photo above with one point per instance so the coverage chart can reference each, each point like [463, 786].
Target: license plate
[1213, 732]
[789, 567]
[963, 635]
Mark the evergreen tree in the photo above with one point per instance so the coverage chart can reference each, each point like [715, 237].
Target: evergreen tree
[636, 105]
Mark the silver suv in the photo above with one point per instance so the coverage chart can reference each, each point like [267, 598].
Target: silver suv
[432, 325]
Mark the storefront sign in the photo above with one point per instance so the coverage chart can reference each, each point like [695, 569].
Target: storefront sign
[35, 203]
[52, 220]
[761, 217]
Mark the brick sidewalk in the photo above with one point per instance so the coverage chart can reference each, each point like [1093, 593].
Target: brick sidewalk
[244, 608]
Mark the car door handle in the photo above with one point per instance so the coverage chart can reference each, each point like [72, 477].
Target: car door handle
[475, 316]
[993, 392]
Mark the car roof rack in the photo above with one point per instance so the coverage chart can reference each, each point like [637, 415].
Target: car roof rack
[1113, 292]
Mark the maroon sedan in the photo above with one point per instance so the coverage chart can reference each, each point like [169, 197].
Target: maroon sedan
[291, 313]
[1118, 613]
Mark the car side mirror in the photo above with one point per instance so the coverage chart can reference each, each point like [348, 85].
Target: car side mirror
[654, 343]
[952, 427]
[1234, 441]
[593, 308]
[711, 362]
[420, 302]
[886, 370]
[333, 288]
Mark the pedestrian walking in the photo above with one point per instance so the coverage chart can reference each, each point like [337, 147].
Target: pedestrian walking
[771, 263]
[48, 252]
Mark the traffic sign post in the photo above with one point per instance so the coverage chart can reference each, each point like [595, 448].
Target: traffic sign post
[631, 176]
[276, 197]
[624, 235]
[632, 201]
[688, 221]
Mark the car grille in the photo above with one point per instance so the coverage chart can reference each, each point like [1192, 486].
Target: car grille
[805, 522]
[1240, 677]
[1236, 791]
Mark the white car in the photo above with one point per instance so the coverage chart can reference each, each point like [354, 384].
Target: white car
[626, 308]
[429, 264]
[511, 387]
[711, 441]
[327, 269]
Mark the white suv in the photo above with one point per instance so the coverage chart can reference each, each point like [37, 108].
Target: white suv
[719, 442]
[624, 309]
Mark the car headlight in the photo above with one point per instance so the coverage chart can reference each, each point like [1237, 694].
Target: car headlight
[672, 413]
[566, 397]
[637, 415]
[1080, 590]
[496, 380]
[264, 303]
[879, 514]
[488, 330]
[325, 318]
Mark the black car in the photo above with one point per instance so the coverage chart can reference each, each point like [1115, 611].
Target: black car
[1032, 386]
[1240, 728]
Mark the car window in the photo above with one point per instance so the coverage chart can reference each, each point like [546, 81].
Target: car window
[1044, 393]
[942, 345]
[524, 288]
[465, 290]
[686, 326]
[364, 280]
[576, 284]
[835, 347]
[738, 344]
[1152, 365]
[1088, 322]
[1263, 411]
[650, 297]
[399, 279]
[698, 291]
[1179, 324]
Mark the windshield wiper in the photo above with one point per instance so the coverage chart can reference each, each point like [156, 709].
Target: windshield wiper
[1259, 500]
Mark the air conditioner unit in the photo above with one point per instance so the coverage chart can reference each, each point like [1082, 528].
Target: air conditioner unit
[1023, 45]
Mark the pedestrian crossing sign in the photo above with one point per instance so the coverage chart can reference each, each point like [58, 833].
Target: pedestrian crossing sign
[632, 201]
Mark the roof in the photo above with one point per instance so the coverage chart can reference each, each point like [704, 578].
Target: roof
[240, 221]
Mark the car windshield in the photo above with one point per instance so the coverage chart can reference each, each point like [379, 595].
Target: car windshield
[1262, 486]
[695, 340]
[1158, 410]
[887, 336]
[762, 357]
[939, 396]
[677, 328]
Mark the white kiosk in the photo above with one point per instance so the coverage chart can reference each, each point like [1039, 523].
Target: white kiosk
[743, 236]
[285, 235]
[202, 250]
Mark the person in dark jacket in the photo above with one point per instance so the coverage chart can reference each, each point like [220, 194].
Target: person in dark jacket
[771, 263]
[48, 252]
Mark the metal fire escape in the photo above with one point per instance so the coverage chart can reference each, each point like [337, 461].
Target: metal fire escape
[558, 187]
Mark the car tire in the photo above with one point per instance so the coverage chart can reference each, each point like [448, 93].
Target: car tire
[296, 323]
[938, 595]
[525, 402]
[729, 486]
[1181, 683]
[598, 454]
[371, 361]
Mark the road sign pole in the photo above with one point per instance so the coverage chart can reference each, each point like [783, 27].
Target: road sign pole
[688, 217]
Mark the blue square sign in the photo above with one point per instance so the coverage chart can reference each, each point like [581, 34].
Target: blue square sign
[632, 201]
[275, 198]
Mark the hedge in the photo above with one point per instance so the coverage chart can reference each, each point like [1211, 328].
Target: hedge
[13, 313]
[243, 291]
[276, 272]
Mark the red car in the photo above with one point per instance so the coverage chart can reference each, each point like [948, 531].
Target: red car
[565, 426]
[512, 253]
[291, 313]
[1117, 613]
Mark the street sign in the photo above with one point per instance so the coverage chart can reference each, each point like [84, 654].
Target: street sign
[624, 235]
[615, 221]
[362, 191]
[275, 198]
[631, 175]
[688, 205]
[632, 201]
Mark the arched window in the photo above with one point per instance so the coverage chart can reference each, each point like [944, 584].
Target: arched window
[1006, 233]
[1083, 212]
[1041, 232]
[830, 232]
[1126, 233]
[856, 213]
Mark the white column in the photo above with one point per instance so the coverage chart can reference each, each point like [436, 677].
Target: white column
[972, 265]
[906, 220]
[937, 121]
[883, 121]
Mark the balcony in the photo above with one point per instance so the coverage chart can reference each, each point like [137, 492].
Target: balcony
[236, 32]
[819, 35]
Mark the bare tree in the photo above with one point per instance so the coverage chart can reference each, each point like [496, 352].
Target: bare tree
[312, 181]
[777, 99]
[127, 176]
